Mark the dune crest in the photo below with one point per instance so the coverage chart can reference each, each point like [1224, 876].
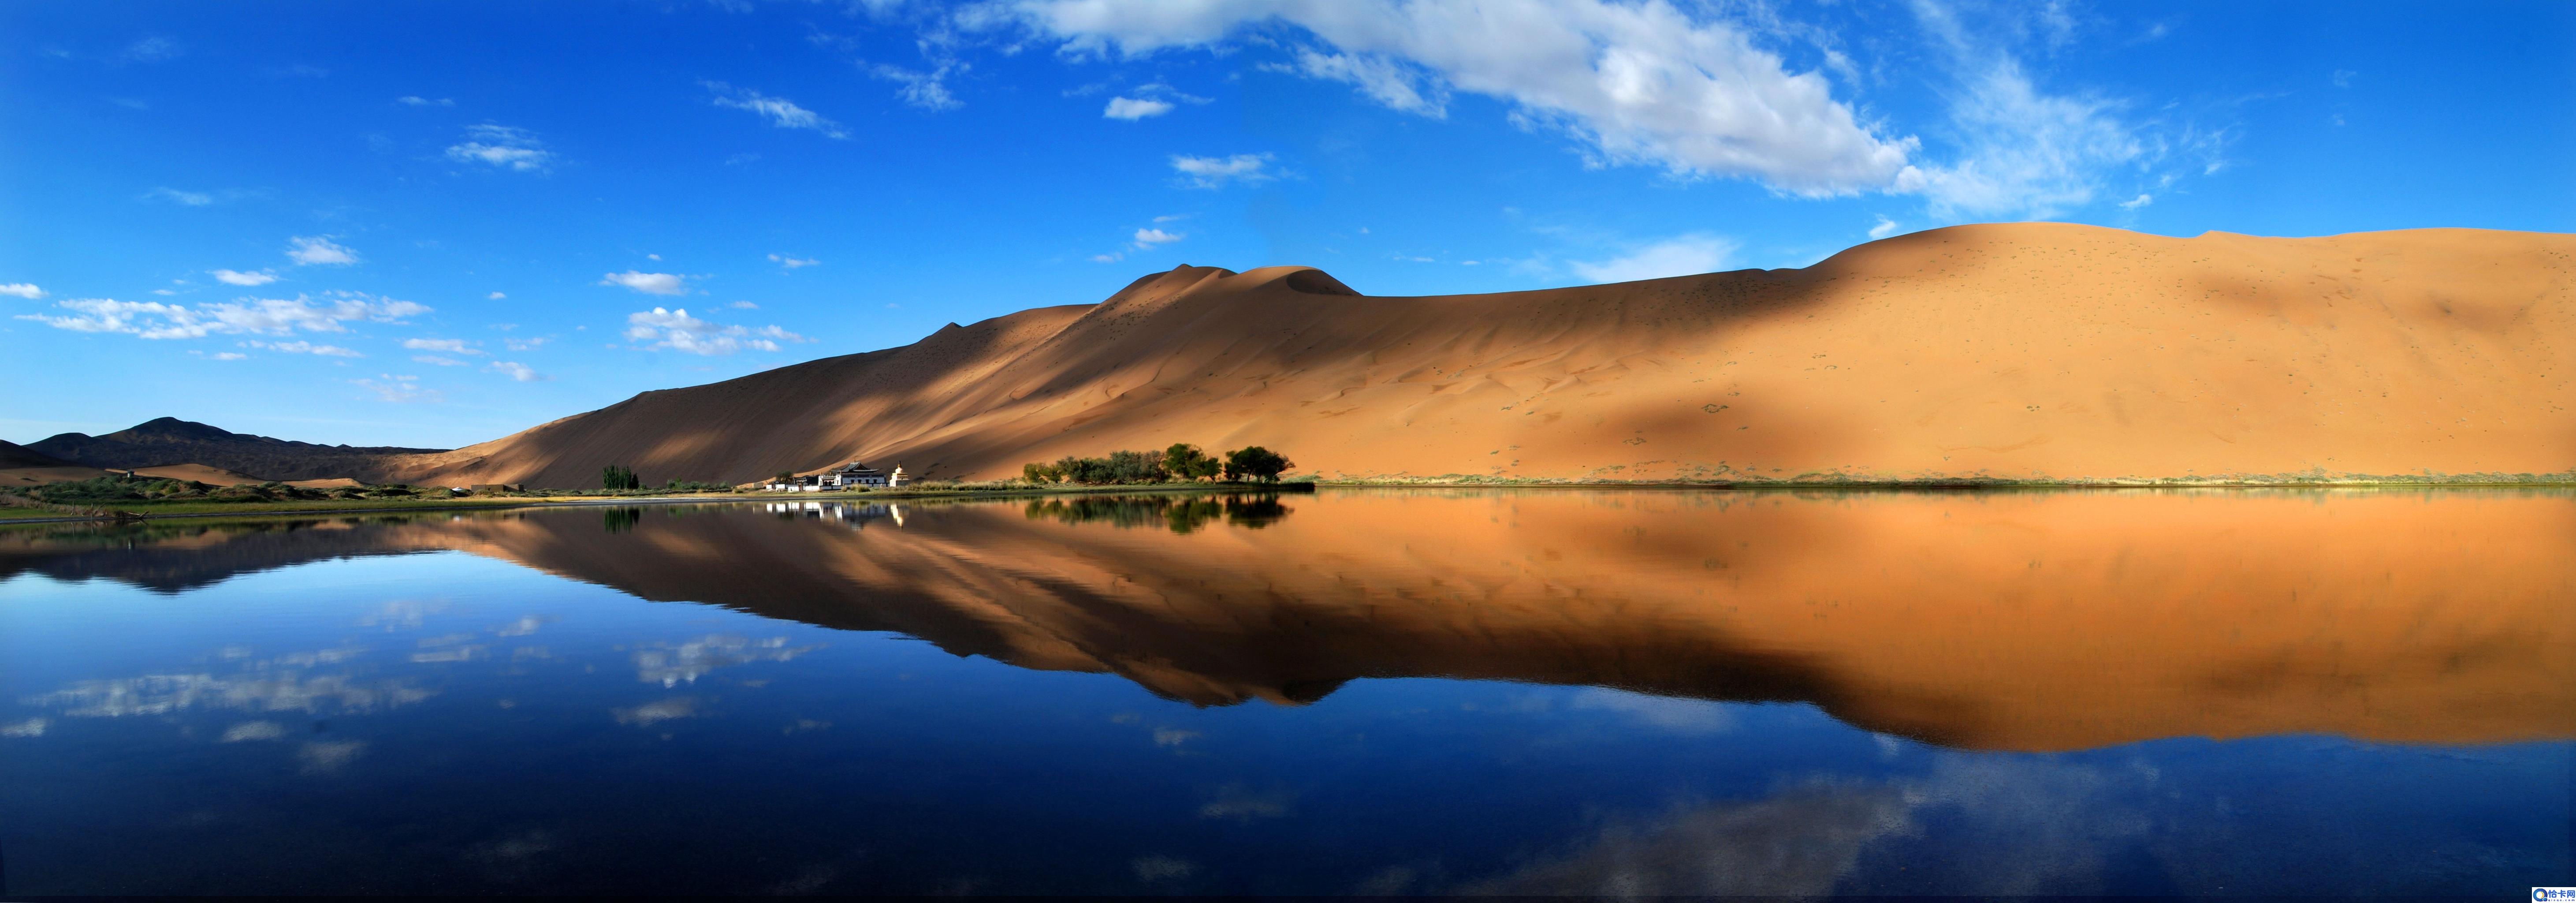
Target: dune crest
[2023, 351]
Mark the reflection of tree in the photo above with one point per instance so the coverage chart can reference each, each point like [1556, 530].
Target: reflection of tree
[620, 520]
[1179, 514]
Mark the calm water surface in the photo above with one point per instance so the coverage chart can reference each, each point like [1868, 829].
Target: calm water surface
[1352, 692]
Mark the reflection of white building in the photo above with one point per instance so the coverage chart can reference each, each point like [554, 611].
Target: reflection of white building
[855, 516]
[853, 475]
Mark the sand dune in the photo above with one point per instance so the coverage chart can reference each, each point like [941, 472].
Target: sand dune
[2014, 351]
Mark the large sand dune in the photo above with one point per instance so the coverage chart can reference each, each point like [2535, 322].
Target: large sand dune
[2006, 351]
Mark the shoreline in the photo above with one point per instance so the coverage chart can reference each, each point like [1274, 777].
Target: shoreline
[308, 509]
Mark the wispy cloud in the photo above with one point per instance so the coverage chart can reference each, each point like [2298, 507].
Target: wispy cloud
[1148, 238]
[649, 283]
[182, 198]
[303, 348]
[516, 371]
[675, 330]
[1215, 172]
[237, 277]
[399, 389]
[502, 147]
[1132, 109]
[1883, 228]
[1681, 255]
[319, 250]
[927, 90]
[27, 290]
[780, 111]
[151, 50]
[792, 262]
[450, 346]
[257, 316]
[409, 100]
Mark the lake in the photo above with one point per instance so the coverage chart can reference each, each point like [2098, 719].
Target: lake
[1353, 691]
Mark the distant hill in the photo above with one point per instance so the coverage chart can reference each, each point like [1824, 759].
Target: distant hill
[14, 456]
[2027, 350]
[169, 440]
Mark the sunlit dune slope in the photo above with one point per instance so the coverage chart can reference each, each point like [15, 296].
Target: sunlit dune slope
[2006, 351]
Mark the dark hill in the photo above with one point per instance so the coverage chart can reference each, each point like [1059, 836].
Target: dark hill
[14, 456]
[170, 440]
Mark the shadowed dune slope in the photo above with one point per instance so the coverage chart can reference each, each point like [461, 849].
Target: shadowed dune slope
[2011, 351]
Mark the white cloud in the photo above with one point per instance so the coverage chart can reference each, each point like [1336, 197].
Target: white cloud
[399, 389]
[743, 305]
[677, 331]
[780, 111]
[1147, 238]
[237, 277]
[414, 101]
[230, 356]
[2137, 202]
[1214, 172]
[451, 346]
[502, 146]
[495, 296]
[2023, 151]
[1382, 80]
[303, 348]
[1883, 229]
[1107, 258]
[313, 250]
[790, 261]
[1132, 109]
[525, 344]
[27, 290]
[1631, 82]
[183, 198]
[1683, 255]
[435, 360]
[256, 316]
[648, 283]
[521, 372]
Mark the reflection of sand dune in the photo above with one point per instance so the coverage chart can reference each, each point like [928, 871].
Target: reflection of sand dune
[2021, 350]
[2014, 621]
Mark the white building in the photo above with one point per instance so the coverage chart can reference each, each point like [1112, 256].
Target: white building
[853, 475]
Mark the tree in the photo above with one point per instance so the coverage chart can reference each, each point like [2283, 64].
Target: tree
[784, 477]
[1186, 462]
[616, 476]
[1253, 463]
[1041, 473]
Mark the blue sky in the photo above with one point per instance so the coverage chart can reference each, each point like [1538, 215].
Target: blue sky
[432, 225]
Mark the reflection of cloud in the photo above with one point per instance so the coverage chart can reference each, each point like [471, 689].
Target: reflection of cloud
[32, 727]
[671, 666]
[158, 694]
[1683, 716]
[525, 625]
[1157, 868]
[316, 657]
[402, 614]
[458, 654]
[254, 730]
[657, 712]
[329, 756]
[1235, 802]
[2007, 827]
[1167, 736]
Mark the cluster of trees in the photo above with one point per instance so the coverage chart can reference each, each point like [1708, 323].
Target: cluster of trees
[618, 476]
[1181, 462]
[128, 488]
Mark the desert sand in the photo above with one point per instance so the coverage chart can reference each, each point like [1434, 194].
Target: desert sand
[2025, 351]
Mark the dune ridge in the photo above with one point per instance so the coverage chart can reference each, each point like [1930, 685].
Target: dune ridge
[2031, 351]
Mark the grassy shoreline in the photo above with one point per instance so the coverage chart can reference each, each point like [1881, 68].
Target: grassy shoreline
[201, 509]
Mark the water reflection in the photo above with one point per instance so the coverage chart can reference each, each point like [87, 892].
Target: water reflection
[1998, 621]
